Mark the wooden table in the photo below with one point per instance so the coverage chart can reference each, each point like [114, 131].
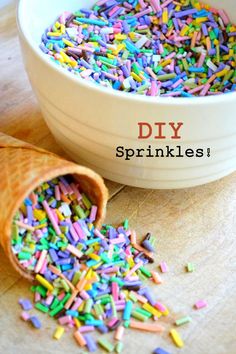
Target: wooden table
[193, 225]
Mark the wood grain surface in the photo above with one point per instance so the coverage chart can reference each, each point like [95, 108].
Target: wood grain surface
[194, 225]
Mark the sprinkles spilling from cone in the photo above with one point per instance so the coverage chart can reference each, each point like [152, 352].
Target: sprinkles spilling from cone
[89, 280]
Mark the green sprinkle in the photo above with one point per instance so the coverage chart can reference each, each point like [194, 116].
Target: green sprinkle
[41, 307]
[56, 310]
[183, 320]
[166, 77]
[139, 316]
[24, 256]
[190, 267]
[119, 347]
[41, 290]
[145, 272]
[106, 345]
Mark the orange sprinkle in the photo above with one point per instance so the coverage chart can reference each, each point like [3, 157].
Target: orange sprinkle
[149, 327]
[79, 339]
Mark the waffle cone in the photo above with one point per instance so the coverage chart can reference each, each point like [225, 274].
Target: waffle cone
[23, 167]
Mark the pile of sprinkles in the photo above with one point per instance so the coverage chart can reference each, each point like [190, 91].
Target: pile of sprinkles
[171, 48]
[88, 279]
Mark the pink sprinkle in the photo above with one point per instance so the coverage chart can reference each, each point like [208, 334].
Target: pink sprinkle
[64, 320]
[84, 295]
[25, 316]
[98, 234]
[93, 213]
[37, 297]
[224, 17]
[44, 266]
[63, 188]
[85, 329]
[163, 267]
[77, 304]
[49, 300]
[115, 291]
[79, 230]
[160, 307]
[41, 260]
[51, 218]
[112, 322]
[132, 270]
[200, 304]
[117, 240]
[57, 193]
[61, 296]
[73, 233]
[120, 307]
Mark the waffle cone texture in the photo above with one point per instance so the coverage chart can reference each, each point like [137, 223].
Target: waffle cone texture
[23, 167]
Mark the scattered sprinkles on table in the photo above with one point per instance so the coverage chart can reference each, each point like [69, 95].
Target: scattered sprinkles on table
[148, 47]
[88, 280]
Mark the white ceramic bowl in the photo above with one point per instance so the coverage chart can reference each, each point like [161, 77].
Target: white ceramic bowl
[90, 121]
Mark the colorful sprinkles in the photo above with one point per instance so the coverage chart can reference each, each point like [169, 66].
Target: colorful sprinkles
[89, 280]
[148, 47]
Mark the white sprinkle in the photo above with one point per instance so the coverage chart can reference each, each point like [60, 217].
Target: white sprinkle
[211, 65]
[141, 42]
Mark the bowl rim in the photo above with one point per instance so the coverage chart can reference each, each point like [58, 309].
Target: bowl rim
[157, 100]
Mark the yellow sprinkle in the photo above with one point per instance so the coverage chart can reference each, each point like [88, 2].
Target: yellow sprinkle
[73, 63]
[94, 44]
[118, 49]
[165, 16]
[165, 63]
[136, 77]
[40, 226]
[196, 5]
[111, 56]
[216, 42]
[65, 57]
[97, 265]
[58, 332]
[59, 214]
[95, 257]
[90, 226]
[63, 29]
[226, 57]
[152, 310]
[88, 287]
[77, 322]
[201, 19]
[39, 214]
[57, 25]
[69, 43]
[132, 35]
[130, 262]
[222, 73]
[54, 34]
[120, 37]
[81, 308]
[184, 31]
[96, 247]
[44, 282]
[89, 274]
[155, 21]
[176, 338]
